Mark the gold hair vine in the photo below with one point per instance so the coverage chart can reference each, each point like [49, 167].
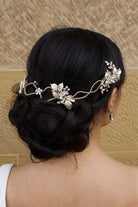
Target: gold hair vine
[112, 75]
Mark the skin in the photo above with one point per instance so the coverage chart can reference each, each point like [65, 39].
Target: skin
[98, 181]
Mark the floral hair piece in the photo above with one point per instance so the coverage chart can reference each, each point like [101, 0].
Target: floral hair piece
[112, 75]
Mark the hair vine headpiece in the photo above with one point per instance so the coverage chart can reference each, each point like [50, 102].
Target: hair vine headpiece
[112, 75]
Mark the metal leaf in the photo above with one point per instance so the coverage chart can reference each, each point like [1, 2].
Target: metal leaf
[60, 87]
[54, 86]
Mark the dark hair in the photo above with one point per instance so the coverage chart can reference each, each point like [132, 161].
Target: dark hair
[75, 57]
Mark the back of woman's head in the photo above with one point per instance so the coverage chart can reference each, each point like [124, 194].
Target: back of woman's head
[75, 57]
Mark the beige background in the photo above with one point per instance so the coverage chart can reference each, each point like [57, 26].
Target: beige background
[22, 22]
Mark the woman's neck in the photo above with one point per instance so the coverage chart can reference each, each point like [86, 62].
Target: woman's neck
[94, 138]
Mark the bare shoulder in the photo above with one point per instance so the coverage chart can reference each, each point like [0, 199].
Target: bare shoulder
[115, 182]
[133, 177]
[124, 182]
[101, 181]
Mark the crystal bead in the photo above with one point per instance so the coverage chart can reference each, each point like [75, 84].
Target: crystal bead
[111, 117]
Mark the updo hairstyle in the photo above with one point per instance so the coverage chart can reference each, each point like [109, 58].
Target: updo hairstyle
[75, 57]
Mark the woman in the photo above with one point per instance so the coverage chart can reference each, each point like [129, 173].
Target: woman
[72, 89]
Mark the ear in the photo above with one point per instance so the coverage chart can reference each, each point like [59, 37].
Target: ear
[112, 100]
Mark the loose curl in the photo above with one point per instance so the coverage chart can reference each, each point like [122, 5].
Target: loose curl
[75, 57]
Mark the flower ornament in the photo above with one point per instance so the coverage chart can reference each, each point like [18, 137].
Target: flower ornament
[62, 93]
[38, 91]
[67, 101]
[111, 76]
[58, 91]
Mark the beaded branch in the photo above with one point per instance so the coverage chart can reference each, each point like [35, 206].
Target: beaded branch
[112, 75]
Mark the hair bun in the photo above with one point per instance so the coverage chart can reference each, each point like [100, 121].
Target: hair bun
[19, 110]
[51, 130]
